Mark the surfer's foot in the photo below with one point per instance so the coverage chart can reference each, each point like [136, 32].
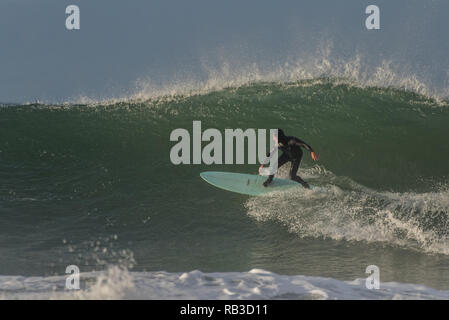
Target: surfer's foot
[266, 183]
[302, 182]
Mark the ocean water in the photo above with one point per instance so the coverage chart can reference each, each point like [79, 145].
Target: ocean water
[90, 183]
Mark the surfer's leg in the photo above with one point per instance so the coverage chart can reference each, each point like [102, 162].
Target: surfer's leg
[282, 160]
[294, 170]
[268, 181]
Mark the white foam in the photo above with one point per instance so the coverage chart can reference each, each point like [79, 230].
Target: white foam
[117, 283]
[352, 212]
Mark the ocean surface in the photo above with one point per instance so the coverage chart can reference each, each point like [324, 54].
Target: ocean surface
[90, 183]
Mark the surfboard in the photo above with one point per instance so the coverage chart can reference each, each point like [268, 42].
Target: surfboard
[249, 184]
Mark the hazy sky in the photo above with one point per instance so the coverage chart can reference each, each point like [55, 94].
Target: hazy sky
[121, 42]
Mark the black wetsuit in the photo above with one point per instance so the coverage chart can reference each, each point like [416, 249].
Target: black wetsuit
[291, 148]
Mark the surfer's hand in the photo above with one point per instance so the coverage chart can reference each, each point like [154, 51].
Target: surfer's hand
[261, 167]
[315, 156]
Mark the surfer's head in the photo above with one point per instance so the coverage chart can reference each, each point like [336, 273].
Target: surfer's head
[281, 136]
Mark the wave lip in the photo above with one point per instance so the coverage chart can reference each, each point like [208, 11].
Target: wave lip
[117, 283]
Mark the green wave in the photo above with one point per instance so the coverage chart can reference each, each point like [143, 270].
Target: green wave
[88, 169]
[381, 138]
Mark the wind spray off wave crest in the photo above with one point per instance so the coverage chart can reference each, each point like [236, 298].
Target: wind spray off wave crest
[217, 73]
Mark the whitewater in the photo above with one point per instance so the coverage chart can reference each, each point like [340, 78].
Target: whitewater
[116, 283]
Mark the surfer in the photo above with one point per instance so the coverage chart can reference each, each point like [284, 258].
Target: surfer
[291, 148]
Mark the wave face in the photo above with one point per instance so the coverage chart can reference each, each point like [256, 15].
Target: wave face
[76, 174]
[382, 138]
[255, 284]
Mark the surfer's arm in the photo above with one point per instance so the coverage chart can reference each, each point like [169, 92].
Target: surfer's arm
[306, 146]
[300, 143]
[270, 155]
